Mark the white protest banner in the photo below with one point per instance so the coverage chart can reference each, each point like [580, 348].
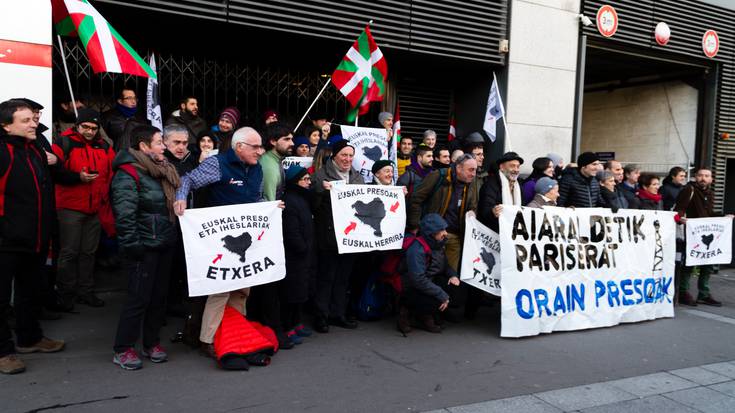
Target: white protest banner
[709, 241]
[232, 247]
[303, 161]
[368, 217]
[481, 257]
[572, 269]
[371, 145]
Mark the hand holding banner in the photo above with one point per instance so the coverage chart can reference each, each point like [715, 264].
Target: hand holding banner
[368, 217]
[233, 247]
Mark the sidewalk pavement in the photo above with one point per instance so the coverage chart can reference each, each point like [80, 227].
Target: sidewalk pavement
[706, 389]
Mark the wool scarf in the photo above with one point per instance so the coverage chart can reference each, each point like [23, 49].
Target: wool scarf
[508, 199]
[162, 171]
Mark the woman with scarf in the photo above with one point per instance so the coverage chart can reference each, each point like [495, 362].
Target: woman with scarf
[143, 192]
[647, 196]
[541, 167]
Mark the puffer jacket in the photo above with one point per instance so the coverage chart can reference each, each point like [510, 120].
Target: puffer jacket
[578, 191]
[238, 336]
[142, 218]
[76, 153]
[324, 224]
[426, 200]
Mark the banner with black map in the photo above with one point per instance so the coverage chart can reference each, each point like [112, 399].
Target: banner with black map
[232, 247]
[481, 257]
[571, 269]
[371, 145]
[709, 241]
[368, 217]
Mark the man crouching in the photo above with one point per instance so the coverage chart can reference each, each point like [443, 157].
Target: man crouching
[427, 270]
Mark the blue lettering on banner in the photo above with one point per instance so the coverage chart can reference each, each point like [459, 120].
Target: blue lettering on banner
[570, 298]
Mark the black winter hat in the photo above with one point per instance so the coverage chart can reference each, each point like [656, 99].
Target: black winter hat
[509, 156]
[88, 115]
[378, 165]
[339, 145]
[586, 158]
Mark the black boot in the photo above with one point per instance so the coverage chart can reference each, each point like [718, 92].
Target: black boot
[404, 320]
[320, 325]
[427, 323]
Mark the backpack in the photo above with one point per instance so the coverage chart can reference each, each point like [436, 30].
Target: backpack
[374, 300]
[132, 171]
[394, 263]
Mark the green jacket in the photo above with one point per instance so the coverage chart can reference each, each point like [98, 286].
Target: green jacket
[141, 215]
[432, 196]
[272, 175]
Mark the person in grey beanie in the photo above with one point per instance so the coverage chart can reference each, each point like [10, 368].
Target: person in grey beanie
[547, 192]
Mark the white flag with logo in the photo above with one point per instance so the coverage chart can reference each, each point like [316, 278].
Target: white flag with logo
[153, 104]
[494, 111]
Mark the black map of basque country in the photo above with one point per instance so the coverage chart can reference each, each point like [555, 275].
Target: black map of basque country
[372, 152]
[239, 244]
[488, 258]
[371, 214]
[707, 239]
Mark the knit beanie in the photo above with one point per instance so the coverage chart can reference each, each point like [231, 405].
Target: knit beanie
[544, 185]
[383, 116]
[301, 140]
[268, 114]
[232, 114]
[380, 164]
[432, 223]
[88, 115]
[339, 145]
[294, 173]
[586, 158]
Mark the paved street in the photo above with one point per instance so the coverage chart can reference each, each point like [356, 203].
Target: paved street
[681, 364]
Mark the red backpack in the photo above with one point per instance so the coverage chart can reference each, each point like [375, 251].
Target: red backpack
[391, 267]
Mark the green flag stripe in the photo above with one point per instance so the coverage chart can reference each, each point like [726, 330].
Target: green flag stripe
[133, 53]
[65, 27]
[347, 66]
[364, 46]
[86, 30]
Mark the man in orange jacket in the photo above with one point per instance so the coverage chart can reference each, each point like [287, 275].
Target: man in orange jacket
[80, 205]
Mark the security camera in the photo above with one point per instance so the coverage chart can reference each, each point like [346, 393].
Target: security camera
[585, 20]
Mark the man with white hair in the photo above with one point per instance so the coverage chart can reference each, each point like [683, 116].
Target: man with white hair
[233, 177]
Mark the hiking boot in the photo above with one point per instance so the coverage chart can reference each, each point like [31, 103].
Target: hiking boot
[295, 338]
[156, 354]
[709, 301]
[320, 325]
[44, 345]
[11, 364]
[90, 300]
[284, 343]
[343, 322]
[427, 323]
[207, 350]
[303, 331]
[128, 360]
[404, 321]
[686, 299]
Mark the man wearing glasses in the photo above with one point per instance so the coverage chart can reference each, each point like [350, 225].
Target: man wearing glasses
[119, 121]
[87, 158]
[233, 177]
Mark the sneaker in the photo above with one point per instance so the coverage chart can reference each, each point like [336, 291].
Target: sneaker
[295, 338]
[11, 364]
[128, 360]
[709, 301]
[90, 300]
[686, 299]
[156, 354]
[45, 345]
[303, 331]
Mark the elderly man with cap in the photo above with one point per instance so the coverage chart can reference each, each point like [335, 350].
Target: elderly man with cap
[501, 188]
[83, 152]
[334, 269]
[226, 125]
[547, 192]
[579, 188]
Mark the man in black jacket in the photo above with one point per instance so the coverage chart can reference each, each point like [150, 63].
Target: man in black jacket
[26, 211]
[578, 187]
[119, 121]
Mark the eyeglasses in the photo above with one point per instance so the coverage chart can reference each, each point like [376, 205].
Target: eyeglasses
[255, 147]
[89, 128]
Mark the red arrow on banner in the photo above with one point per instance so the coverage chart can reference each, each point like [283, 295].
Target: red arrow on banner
[476, 260]
[350, 227]
[395, 206]
[217, 258]
[261, 235]
[363, 163]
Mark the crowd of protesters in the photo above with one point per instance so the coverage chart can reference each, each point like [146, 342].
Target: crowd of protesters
[110, 185]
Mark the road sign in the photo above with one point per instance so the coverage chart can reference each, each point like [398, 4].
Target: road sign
[710, 43]
[607, 20]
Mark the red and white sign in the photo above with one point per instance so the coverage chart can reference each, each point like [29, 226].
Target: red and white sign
[710, 43]
[662, 33]
[25, 53]
[607, 20]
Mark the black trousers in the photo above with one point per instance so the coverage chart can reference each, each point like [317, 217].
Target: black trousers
[419, 303]
[263, 305]
[148, 280]
[290, 315]
[332, 283]
[178, 291]
[26, 270]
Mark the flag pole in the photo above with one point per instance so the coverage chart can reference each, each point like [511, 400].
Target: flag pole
[312, 103]
[505, 123]
[68, 79]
